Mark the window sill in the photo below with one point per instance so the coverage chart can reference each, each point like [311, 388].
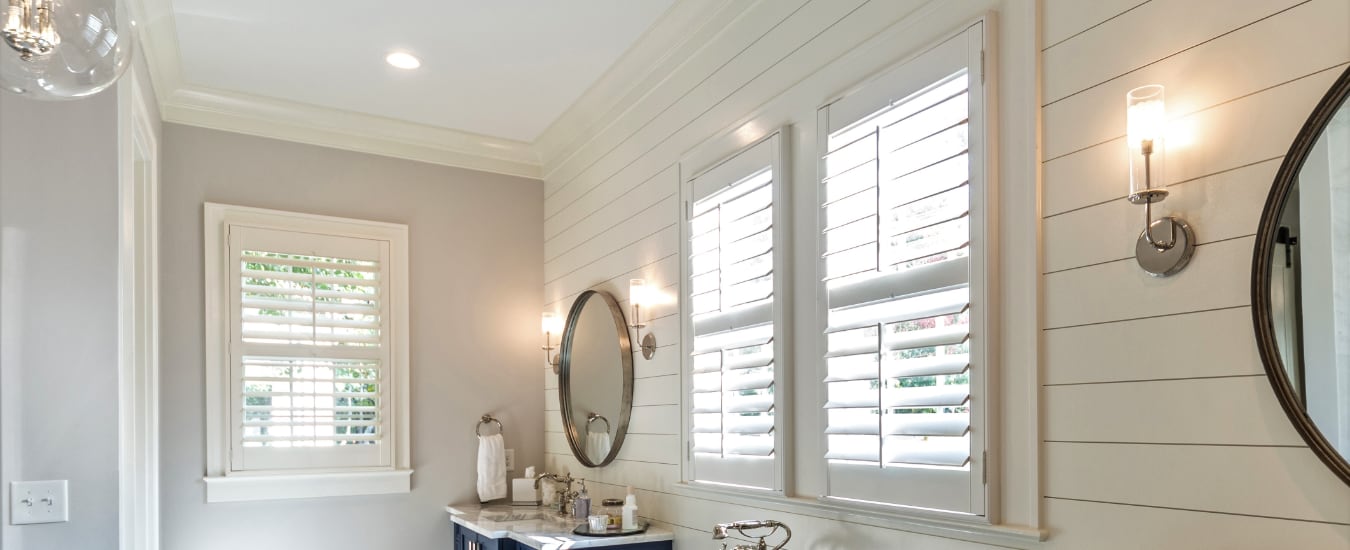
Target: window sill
[242, 488]
[954, 526]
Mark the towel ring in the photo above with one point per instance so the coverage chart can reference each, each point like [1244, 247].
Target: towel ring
[488, 419]
[592, 417]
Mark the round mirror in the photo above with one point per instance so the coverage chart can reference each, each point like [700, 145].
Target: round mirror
[595, 380]
[1301, 281]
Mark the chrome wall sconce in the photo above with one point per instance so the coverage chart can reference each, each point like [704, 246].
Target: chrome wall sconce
[1166, 244]
[551, 324]
[639, 295]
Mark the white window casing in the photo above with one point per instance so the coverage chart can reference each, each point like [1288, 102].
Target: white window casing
[904, 252]
[733, 285]
[307, 355]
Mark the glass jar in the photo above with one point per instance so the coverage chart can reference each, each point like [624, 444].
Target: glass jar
[614, 509]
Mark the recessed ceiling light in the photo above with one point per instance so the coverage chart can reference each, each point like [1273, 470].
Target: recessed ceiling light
[403, 60]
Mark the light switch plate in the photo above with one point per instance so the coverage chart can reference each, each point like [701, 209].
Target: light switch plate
[510, 460]
[38, 502]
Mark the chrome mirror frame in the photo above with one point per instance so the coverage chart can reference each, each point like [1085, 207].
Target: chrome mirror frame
[574, 427]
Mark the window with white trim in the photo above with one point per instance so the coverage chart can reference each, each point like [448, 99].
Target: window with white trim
[732, 282]
[903, 283]
[307, 317]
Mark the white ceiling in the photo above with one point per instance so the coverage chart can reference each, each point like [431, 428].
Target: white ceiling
[501, 68]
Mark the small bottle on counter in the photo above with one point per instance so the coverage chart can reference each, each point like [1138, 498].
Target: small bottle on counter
[581, 507]
[630, 510]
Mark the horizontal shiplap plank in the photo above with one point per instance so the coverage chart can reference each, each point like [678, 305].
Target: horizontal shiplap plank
[655, 419]
[663, 273]
[663, 449]
[643, 252]
[1252, 129]
[1302, 41]
[1278, 482]
[1120, 45]
[1216, 343]
[1062, 19]
[1218, 207]
[1215, 278]
[1223, 411]
[655, 218]
[1101, 526]
[662, 390]
[640, 475]
[559, 240]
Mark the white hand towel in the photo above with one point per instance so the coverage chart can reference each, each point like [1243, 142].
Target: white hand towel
[597, 445]
[491, 467]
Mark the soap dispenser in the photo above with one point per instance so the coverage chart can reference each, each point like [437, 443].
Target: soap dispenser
[581, 507]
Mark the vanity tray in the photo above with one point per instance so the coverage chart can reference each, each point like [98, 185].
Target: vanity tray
[585, 530]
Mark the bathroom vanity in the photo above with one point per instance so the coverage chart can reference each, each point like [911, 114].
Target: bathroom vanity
[517, 528]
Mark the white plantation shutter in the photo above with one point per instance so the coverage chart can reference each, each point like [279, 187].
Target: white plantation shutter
[731, 296]
[901, 188]
[309, 350]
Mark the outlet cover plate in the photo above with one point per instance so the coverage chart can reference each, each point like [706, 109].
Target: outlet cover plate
[510, 460]
[38, 502]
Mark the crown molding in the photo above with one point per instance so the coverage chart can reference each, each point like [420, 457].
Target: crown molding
[303, 123]
[684, 29]
[184, 103]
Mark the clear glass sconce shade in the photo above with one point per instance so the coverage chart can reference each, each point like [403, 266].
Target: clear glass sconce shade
[93, 45]
[550, 323]
[637, 292]
[1146, 126]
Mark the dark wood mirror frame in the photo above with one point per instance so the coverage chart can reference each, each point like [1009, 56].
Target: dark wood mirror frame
[1285, 180]
[574, 427]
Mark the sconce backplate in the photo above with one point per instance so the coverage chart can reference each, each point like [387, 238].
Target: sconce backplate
[1165, 263]
[648, 346]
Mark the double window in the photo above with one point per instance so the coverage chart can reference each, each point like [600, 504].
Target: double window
[901, 295]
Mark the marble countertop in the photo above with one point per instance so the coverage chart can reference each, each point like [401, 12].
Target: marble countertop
[538, 528]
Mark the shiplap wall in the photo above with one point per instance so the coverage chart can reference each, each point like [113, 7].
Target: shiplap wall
[1160, 429]
[1176, 444]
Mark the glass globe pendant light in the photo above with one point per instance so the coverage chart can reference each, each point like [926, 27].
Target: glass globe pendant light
[63, 49]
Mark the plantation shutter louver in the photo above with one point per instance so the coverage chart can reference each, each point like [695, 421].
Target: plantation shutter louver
[731, 292]
[309, 350]
[897, 181]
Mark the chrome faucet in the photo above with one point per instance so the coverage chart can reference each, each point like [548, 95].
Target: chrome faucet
[565, 496]
[722, 530]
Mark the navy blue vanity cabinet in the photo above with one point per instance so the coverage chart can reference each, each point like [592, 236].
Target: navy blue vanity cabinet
[467, 539]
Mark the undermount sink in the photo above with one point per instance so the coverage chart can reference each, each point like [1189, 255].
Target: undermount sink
[514, 515]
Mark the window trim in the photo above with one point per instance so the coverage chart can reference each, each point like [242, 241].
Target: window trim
[722, 152]
[226, 485]
[979, 43]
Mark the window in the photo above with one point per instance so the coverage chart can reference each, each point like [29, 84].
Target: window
[307, 317]
[732, 277]
[902, 283]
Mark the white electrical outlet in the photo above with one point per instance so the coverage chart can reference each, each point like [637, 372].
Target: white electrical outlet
[38, 502]
[510, 460]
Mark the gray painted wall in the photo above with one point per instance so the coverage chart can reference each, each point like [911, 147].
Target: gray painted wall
[58, 314]
[476, 244]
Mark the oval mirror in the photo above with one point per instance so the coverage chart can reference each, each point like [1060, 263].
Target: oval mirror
[595, 378]
[1301, 281]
